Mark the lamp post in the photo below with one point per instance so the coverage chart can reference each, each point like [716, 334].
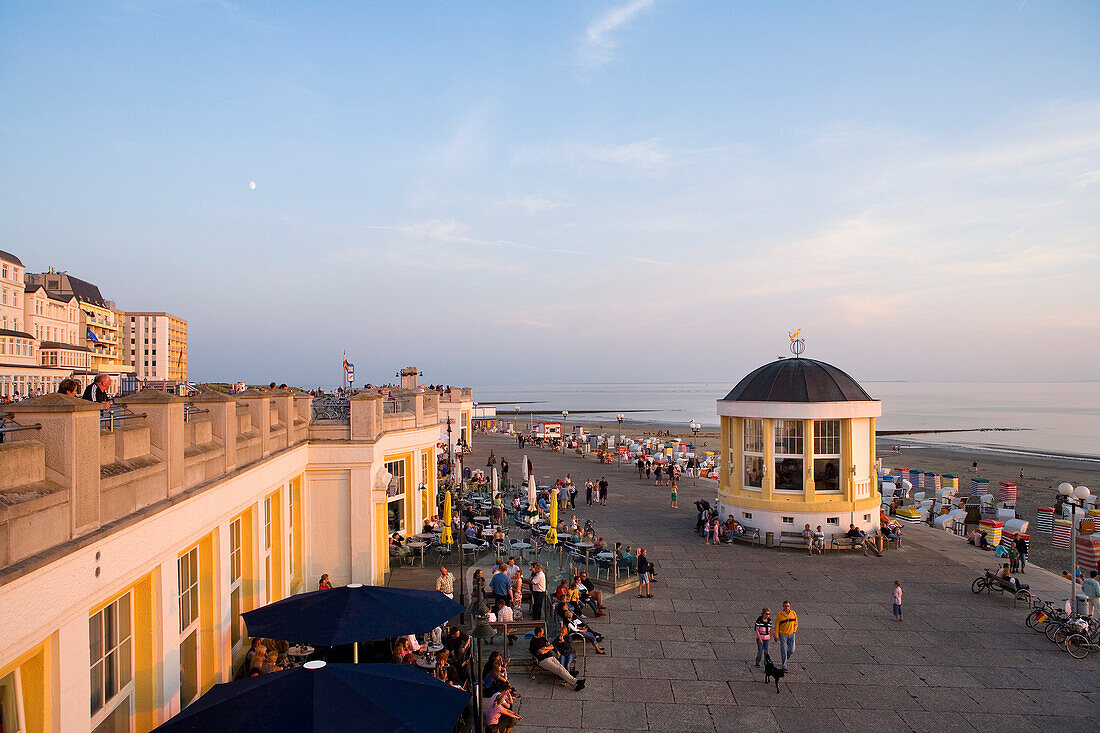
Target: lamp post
[695, 427]
[482, 632]
[1074, 497]
[564, 417]
[620, 418]
[517, 421]
[456, 482]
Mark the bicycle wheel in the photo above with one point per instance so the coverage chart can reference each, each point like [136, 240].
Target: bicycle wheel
[1077, 646]
[978, 585]
[1032, 619]
[1051, 630]
[1059, 636]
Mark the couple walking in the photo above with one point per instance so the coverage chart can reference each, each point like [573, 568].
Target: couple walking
[785, 628]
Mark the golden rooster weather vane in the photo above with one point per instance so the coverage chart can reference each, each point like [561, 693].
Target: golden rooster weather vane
[798, 344]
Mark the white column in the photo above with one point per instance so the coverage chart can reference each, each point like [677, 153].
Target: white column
[169, 642]
[223, 640]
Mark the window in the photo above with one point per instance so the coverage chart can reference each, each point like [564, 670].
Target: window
[788, 455]
[833, 520]
[866, 517]
[788, 520]
[746, 515]
[754, 452]
[235, 633]
[396, 492]
[267, 546]
[827, 455]
[110, 653]
[188, 585]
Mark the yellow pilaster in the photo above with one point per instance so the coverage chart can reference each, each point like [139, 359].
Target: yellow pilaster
[808, 459]
[724, 485]
[769, 460]
[873, 458]
[737, 464]
[846, 478]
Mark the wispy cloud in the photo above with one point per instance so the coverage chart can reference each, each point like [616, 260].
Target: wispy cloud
[449, 231]
[525, 322]
[647, 261]
[529, 204]
[600, 38]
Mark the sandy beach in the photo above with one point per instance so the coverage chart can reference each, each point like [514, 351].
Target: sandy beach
[1038, 487]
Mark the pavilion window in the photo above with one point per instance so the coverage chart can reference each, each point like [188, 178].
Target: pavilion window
[827, 455]
[753, 452]
[788, 455]
[235, 569]
[110, 652]
[188, 586]
[395, 503]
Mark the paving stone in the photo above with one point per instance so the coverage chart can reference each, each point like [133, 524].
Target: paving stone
[741, 718]
[800, 720]
[694, 717]
[613, 715]
[649, 691]
[947, 722]
[879, 721]
[687, 650]
[702, 692]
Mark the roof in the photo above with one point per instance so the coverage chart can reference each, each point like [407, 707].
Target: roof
[797, 380]
[60, 345]
[86, 291]
[9, 257]
[18, 334]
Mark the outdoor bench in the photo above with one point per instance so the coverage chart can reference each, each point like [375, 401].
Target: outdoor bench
[793, 539]
[840, 542]
[751, 534]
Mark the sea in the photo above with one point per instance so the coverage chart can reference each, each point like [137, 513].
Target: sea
[1027, 418]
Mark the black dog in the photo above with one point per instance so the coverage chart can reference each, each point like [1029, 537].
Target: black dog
[772, 672]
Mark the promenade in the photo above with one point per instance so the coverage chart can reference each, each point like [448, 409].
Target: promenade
[683, 660]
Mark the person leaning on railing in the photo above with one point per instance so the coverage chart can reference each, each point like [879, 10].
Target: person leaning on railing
[97, 391]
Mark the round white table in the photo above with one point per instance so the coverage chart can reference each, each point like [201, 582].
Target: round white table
[425, 663]
[418, 546]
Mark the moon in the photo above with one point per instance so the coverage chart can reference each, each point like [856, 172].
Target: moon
[252, 185]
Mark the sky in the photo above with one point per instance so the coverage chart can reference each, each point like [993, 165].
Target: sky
[621, 190]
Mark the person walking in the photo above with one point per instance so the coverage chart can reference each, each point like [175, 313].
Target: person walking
[1022, 548]
[538, 591]
[648, 470]
[504, 469]
[1091, 589]
[603, 490]
[445, 583]
[786, 626]
[674, 488]
[588, 492]
[645, 574]
[572, 496]
[657, 475]
[763, 634]
[641, 468]
[897, 601]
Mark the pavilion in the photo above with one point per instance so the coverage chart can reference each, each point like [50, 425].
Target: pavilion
[798, 447]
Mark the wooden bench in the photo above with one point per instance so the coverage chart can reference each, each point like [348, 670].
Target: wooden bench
[751, 535]
[516, 627]
[841, 541]
[793, 539]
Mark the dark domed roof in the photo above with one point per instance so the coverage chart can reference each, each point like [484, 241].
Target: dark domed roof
[797, 380]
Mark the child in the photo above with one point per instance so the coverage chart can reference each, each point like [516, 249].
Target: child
[897, 600]
[1014, 558]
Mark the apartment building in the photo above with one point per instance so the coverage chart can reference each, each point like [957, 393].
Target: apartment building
[155, 346]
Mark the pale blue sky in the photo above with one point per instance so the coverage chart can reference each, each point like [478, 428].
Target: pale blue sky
[509, 192]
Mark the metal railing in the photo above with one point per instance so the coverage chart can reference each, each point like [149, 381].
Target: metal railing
[109, 417]
[189, 409]
[329, 407]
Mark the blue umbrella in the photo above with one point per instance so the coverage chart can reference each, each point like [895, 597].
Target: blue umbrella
[326, 697]
[352, 613]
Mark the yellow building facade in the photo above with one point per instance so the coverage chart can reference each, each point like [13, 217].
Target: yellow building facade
[124, 573]
[798, 447]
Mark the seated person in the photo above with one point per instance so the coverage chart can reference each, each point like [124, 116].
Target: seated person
[577, 625]
[818, 541]
[471, 532]
[561, 591]
[973, 537]
[573, 597]
[564, 647]
[498, 713]
[858, 537]
[808, 536]
[589, 595]
[544, 654]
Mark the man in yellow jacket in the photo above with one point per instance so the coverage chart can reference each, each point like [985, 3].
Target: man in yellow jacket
[785, 627]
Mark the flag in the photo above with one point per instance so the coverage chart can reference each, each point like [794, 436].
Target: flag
[91, 336]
